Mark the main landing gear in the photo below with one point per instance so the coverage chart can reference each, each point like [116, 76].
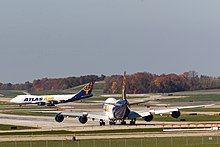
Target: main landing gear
[132, 122]
[112, 122]
[123, 122]
[101, 122]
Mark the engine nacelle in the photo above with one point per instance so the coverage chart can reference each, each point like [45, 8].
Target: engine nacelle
[175, 114]
[52, 103]
[59, 117]
[148, 118]
[41, 104]
[83, 119]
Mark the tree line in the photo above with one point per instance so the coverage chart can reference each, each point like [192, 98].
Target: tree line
[141, 82]
[52, 83]
[144, 82]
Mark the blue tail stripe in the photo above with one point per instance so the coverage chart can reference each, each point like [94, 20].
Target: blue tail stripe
[84, 93]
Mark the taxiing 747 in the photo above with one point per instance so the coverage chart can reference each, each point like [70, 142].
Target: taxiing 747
[52, 100]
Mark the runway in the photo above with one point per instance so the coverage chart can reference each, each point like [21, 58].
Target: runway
[48, 123]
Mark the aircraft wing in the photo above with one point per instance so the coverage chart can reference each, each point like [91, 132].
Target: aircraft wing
[92, 115]
[143, 113]
[97, 115]
[168, 110]
[188, 107]
[138, 114]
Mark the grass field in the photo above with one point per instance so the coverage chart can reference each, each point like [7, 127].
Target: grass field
[194, 98]
[83, 132]
[187, 117]
[27, 112]
[10, 93]
[217, 110]
[36, 133]
[210, 141]
[141, 130]
[49, 92]
[11, 127]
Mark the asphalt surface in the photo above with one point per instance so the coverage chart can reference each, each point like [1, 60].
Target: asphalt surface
[48, 123]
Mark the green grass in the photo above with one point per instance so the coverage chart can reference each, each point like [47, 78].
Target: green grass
[141, 130]
[49, 92]
[27, 112]
[36, 133]
[210, 91]
[212, 141]
[10, 127]
[194, 98]
[202, 110]
[83, 132]
[11, 93]
[187, 117]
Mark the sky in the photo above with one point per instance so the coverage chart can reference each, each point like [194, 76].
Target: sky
[54, 38]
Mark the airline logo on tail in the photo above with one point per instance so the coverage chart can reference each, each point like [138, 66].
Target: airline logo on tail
[87, 88]
[86, 92]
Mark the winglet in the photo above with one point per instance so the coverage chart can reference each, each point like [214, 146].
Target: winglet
[85, 92]
[124, 87]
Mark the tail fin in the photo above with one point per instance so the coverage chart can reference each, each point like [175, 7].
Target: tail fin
[124, 87]
[85, 92]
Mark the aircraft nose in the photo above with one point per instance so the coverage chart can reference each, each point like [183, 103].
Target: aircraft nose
[12, 100]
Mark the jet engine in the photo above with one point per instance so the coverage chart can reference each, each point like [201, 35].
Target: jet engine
[175, 114]
[148, 118]
[52, 103]
[83, 119]
[59, 117]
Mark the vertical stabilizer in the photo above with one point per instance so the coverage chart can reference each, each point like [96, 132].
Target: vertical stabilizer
[124, 87]
[86, 92]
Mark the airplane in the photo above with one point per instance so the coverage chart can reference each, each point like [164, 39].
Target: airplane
[52, 100]
[119, 110]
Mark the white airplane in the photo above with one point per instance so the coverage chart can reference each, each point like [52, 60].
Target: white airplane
[52, 100]
[114, 110]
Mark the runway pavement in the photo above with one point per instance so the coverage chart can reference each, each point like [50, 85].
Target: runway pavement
[47, 123]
